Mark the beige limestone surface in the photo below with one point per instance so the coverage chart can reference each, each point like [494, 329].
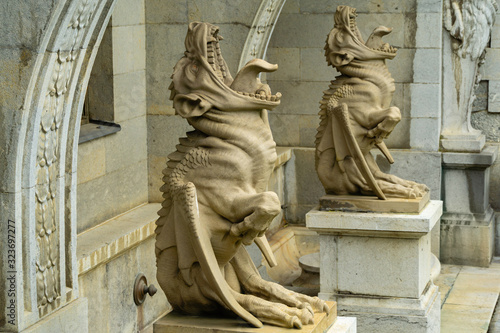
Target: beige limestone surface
[468, 297]
[109, 239]
[71, 318]
[179, 323]
[113, 254]
[378, 223]
[358, 203]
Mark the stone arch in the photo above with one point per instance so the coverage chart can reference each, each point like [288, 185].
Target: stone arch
[39, 196]
[39, 129]
[261, 30]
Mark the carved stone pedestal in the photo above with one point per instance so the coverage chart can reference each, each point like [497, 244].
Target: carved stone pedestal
[467, 225]
[181, 323]
[377, 267]
[472, 142]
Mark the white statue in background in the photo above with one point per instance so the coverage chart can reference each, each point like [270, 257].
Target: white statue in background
[469, 23]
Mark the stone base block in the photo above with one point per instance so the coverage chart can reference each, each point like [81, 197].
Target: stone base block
[180, 323]
[379, 254]
[377, 266]
[464, 143]
[70, 318]
[377, 314]
[363, 203]
[343, 325]
[467, 227]
[466, 240]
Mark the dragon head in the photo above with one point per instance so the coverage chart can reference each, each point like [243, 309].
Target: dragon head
[201, 79]
[345, 43]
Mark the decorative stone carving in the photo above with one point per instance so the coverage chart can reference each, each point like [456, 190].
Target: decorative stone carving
[469, 23]
[356, 114]
[48, 69]
[215, 198]
[47, 192]
[47, 226]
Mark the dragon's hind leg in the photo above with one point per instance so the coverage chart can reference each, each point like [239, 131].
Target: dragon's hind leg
[393, 185]
[269, 301]
[274, 313]
[193, 296]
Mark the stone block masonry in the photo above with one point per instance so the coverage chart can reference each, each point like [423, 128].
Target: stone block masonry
[377, 267]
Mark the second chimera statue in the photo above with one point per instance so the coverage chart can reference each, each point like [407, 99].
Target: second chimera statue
[356, 114]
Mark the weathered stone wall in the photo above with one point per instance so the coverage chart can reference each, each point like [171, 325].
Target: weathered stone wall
[112, 170]
[166, 27]
[109, 287]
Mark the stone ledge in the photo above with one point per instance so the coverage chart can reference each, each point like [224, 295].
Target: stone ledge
[383, 224]
[180, 323]
[466, 143]
[284, 155]
[72, 317]
[97, 129]
[372, 204]
[395, 306]
[112, 237]
[482, 159]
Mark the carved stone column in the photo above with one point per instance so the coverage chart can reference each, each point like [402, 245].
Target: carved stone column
[467, 223]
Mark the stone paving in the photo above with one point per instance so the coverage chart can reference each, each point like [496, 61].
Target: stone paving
[469, 296]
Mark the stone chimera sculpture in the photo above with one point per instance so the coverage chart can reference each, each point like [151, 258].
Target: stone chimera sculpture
[215, 199]
[356, 114]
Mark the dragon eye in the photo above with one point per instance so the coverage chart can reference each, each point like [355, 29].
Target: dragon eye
[194, 68]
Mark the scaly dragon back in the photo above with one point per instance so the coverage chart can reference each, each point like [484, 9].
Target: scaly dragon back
[332, 95]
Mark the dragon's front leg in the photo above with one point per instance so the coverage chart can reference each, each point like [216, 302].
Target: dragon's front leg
[391, 117]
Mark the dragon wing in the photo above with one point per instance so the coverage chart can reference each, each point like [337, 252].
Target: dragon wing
[188, 211]
[346, 145]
